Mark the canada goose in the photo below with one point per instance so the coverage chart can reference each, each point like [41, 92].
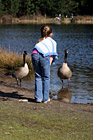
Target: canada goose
[21, 72]
[64, 72]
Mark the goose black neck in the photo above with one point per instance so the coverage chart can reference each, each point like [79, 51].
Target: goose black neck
[24, 58]
[65, 59]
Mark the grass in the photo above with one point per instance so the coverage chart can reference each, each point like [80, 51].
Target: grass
[29, 123]
[10, 60]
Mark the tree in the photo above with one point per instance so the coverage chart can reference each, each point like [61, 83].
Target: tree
[14, 7]
[30, 7]
[6, 4]
[1, 8]
[46, 7]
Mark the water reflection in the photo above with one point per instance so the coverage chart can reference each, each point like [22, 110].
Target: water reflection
[64, 94]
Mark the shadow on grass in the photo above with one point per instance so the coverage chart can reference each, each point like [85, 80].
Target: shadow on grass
[15, 95]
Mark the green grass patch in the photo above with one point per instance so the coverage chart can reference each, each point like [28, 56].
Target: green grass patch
[20, 122]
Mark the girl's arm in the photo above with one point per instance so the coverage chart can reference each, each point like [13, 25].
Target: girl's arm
[51, 59]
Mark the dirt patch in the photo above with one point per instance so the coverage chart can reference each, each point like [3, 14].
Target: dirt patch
[8, 93]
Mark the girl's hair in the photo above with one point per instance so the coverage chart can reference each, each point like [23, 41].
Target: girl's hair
[46, 31]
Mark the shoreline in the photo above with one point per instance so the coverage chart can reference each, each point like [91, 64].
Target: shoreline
[26, 94]
[5, 85]
[8, 19]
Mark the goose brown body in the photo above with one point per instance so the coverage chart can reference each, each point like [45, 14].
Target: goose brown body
[64, 72]
[21, 72]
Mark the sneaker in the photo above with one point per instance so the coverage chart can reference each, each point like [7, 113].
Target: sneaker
[47, 101]
[38, 101]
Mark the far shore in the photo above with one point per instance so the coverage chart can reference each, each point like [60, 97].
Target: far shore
[8, 19]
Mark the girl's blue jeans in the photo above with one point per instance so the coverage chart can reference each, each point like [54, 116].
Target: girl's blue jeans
[41, 67]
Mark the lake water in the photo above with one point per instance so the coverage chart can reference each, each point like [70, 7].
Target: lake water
[78, 39]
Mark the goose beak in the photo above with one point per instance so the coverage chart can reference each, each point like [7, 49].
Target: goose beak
[25, 52]
[66, 51]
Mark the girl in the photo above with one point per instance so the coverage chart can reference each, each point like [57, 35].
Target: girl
[44, 53]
